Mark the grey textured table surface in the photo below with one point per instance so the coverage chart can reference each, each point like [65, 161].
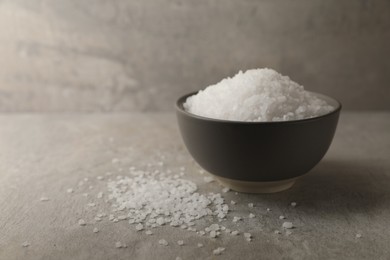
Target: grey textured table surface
[348, 193]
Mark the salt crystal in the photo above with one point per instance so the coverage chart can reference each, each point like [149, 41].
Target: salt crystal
[293, 204]
[287, 225]
[250, 205]
[118, 244]
[100, 178]
[248, 237]
[232, 202]
[277, 232]
[235, 233]
[268, 209]
[44, 199]
[208, 179]
[256, 95]
[180, 242]
[218, 251]
[358, 235]
[236, 219]
[251, 215]
[282, 217]
[148, 232]
[213, 234]
[91, 204]
[70, 190]
[25, 244]
[226, 189]
[200, 245]
[139, 227]
[163, 242]
[95, 230]
[82, 222]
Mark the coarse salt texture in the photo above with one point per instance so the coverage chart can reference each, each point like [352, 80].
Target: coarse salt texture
[151, 199]
[256, 95]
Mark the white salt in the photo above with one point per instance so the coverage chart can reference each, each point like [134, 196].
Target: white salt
[287, 225]
[95, 230]
[148, 232]
[82, 222]
[256, 95]
[25, 244]
[282, 217]
[43, 199]
[208, 179]
[180, 242]
[251, 215]
[139, 227]
[218, 251]
[163, 242]
[70, 190]
[200, 245]
[293, 204]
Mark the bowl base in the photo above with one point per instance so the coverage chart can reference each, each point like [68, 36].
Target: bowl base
[256, 187]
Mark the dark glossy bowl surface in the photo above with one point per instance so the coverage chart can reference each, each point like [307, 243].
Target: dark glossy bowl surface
[257, 151]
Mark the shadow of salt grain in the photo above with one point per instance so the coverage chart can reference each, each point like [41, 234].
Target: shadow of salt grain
[334, 187]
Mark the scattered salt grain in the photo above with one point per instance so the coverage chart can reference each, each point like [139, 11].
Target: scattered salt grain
[148, 232]
[200, 245]
[218, 251]
[268, 209]
[287, 225]
[100, 178]
[25, 244]
[43, 199]
[251, 215]
[293, 204]
[139, 227]
[236, 219]
[226, 189]
[235, 233]
[248, 237]
[95, 230]
[180, 242]
[282, 217]
[208, 179]
[82, 222]
[213, 234]
[277, 232]
[358, 235]
[163, 242]
[256, 95]
[70, 190]
[250, 205]
[118, 244]
[232, 202]
[91, 204]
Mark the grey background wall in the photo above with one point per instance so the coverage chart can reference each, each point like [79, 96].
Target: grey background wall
[107, 55]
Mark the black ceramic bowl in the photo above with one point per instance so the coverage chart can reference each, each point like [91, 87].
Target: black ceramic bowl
[257, 157]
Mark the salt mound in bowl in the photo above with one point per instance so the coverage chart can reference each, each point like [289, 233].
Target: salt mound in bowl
[264, 140]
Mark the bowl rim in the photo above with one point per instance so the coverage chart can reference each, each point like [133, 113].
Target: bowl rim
[180, 101]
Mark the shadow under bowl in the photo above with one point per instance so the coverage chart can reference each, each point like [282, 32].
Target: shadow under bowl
[257, 157]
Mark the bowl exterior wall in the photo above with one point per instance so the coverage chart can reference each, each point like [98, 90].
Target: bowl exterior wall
[257, 152]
